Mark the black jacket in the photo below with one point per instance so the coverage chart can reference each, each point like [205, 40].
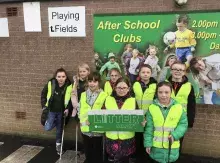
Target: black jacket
[191, 104]
[44, 95]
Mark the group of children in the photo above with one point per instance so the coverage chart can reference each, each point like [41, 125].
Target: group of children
[168, 102]
[118, 93]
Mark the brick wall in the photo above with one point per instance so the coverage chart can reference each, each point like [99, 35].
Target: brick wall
[28, 60]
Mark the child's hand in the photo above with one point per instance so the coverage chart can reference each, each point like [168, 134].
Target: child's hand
[74, 112]
[76, 79]
[170, 137]
[208, 81]
[66, 112]
[148, 150]
[166, 50]
[143, 123]
[158, 68]
[87, 122]
[192, 49]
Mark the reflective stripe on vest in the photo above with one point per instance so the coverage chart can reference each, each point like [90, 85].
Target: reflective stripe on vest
[108, 88]
[168, 129]
[163, 128]
[144, 99]
[85, 107]
[66, 97]
[182, 95]
[111, 104]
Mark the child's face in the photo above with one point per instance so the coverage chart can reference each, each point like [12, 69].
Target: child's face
[134, 54]
[61, 77]
[178, 71]
[96, 56]
[83, 73]
[171, 60]
[181, 26]
[163, 94]
[112, 59]
[114, 76]
[122, 89]
[200, 65]
[152, 52]
[145, 74]
[129, 49]
[93, 85]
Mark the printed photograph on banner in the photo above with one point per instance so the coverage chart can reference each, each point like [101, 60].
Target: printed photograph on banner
[127, 41]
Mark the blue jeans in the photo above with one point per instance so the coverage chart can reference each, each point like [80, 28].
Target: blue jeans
[54, 119]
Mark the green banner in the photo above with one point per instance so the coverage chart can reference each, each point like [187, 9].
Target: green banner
[113, 32]
[116, 120]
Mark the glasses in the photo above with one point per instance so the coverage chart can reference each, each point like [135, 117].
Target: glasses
[179, 70]
[122, 88]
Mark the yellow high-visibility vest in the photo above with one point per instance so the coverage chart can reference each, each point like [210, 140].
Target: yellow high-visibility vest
[163, 127]
[111, 104]
[182, 95]
[144, 99]
[67, 94]
[85, 107]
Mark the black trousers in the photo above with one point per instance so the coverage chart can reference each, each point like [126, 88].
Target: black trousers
[140, 155]
[93, 149]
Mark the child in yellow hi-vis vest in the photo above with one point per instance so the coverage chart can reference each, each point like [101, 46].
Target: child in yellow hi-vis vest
[166, 124]
[144, 91]
[120, 145]
[92, 99]
[183, 92]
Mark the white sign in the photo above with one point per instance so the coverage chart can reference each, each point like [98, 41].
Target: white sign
[67, 21]
[32, 19]
[4, 27]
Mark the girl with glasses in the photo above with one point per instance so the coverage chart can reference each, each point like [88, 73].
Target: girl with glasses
[120, 145]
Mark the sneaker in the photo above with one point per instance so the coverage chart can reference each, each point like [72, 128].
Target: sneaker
[110, 159]
[58, 149]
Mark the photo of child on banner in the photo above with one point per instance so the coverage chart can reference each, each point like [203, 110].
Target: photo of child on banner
[152, 60]
[98, 62]
[207, 71]
[184, 42]
[109, 65]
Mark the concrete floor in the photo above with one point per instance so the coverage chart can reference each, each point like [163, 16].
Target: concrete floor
[15, 149]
